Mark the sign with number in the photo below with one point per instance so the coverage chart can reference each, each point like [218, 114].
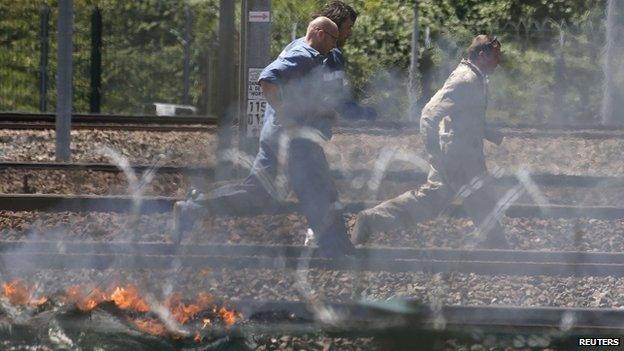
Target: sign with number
[256, 104]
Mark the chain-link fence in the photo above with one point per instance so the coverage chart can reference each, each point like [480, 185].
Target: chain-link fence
[127, 55]
[165, 51]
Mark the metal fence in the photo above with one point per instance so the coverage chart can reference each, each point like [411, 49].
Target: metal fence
[165, 51]
[127, 56]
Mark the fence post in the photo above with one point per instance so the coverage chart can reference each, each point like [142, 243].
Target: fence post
[226, 76]
[558, 106]
[96, 61]
[255, 47]
[64, 81]
[43, 59]
[188, 27]
[426, 66]
[412, 84]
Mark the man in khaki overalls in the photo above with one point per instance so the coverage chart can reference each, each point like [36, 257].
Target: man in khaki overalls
[452, 125]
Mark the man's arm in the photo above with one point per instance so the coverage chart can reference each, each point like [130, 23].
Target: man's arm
[272, 95]
[430, 131]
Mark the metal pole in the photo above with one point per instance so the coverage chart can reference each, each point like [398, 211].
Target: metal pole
[64, 81]
[558, 106]
[226, 76]
[412, 85]
[255, 51]
[43, 60]
[96, 61]
[607, 115]
[188, 27]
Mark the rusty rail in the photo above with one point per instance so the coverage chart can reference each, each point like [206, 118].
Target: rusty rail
[546, 179]
[156, 204]
[138, 255]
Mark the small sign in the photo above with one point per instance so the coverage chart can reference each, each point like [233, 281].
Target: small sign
[256, 103]
[259, 16]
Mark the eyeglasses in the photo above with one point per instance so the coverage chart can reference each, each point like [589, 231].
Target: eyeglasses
[331, 35]
[494, 43]
[335, 37]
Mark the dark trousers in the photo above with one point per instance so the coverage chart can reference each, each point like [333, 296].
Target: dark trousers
[310, 179]
[308, 176]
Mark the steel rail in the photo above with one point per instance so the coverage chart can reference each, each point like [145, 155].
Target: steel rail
[386, 124]
[106, 167]
[560, 320]
[211, 120]
[42, 121]
[363, 253]
[525, 134]
[552, 180]
[156, 204]
[118, 127]
[88, 118]
[405, 322]
[61, 260]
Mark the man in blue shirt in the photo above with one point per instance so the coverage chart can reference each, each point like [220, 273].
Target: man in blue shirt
[344, 16]
[298, 118]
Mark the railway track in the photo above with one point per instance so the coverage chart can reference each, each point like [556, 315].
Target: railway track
[158, 204]
[552, 180]
[45, 121]
[413, 316]
[402, 323]
[141, 255]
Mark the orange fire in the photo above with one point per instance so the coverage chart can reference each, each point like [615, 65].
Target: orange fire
[151, 326]
[128, 299]
[85, 300]
[183, 312]
[229, 317]
[18, 293]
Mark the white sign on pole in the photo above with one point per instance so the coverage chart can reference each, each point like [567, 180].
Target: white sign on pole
[256, 104]
[259, 16]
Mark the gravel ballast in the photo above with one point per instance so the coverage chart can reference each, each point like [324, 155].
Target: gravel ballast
[582, 234]
[560, 155]
[557, 155]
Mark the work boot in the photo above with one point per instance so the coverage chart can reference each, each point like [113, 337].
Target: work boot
[310, 239]
[361, 230]
[184, 215]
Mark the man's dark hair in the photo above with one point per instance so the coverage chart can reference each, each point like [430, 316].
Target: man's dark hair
[338, 12]
[483, 43]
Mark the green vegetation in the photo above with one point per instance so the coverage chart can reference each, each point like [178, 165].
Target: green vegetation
[540, 80]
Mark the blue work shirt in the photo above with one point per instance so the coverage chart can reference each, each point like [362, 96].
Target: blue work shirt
[335, 76]
[307, 99]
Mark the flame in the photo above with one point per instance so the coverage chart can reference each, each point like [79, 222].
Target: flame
[183, 312]
[128, 299]
[151, 326]
[18, 293]
[229, 317]
[87, 298]
[85, 301]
